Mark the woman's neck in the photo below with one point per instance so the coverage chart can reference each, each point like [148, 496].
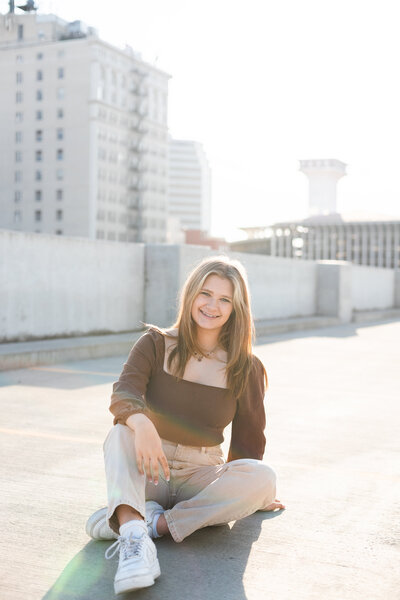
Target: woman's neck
[207, 340]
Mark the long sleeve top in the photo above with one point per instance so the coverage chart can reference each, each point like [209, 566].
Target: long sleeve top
[186, 412]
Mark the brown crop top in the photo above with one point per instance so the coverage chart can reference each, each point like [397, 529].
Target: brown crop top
[186, 412]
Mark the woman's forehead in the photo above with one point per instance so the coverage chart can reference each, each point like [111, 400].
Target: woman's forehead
[218, 284]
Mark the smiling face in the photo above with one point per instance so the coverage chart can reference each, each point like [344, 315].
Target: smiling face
[213, 305]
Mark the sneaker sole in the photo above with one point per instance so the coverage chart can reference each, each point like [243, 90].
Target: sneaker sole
[134, 583]
[94, 524]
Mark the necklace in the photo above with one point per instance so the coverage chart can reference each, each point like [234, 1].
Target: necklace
[205, 354]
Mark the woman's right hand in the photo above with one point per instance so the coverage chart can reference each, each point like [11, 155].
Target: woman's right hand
[148, 447]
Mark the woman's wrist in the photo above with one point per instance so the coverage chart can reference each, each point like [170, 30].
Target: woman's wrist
[136, 420]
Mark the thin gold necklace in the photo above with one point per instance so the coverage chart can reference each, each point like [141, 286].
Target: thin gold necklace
[205, 354]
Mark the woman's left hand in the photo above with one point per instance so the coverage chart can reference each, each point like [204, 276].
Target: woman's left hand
[274, 505]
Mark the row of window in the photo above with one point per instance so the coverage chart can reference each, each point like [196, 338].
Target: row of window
[38, 195]
[38, 175]
[19, 116]
[60, 95]
[39, 155]
[38, 135]
[19, 76]
[39, 56]
[38, 216]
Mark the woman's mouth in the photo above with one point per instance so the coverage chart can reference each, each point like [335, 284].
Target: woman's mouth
[208, 314]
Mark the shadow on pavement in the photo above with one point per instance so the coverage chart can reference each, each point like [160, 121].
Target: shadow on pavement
[208, 564]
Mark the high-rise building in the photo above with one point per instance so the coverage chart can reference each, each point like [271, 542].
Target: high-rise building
[83, 140]
[189, 185]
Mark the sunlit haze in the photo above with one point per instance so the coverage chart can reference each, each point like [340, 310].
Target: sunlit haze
[263, 84]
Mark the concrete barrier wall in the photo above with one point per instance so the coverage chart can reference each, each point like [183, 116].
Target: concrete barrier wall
[57, 286]
[372, 288]
[52, 286]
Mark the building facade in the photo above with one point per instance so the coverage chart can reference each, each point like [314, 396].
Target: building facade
[189, 185]
[373, 243]
[84, 137]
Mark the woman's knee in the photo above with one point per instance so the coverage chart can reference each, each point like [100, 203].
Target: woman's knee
[264, 477]
[118, 434]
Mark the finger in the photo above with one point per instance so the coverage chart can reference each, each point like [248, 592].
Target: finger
[147, 468]
[164, 464]
[154, 465]
[139, 462]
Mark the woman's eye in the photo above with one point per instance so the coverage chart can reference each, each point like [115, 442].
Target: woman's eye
[225, 300]
[205, 293]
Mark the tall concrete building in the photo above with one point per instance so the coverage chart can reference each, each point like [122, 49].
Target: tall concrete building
[83, 139]
[189, 185]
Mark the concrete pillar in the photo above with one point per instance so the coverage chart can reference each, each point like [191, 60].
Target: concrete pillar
[364, 244]
[388, 246]
[356, 244]
[372, 244]
[396, 249]
[333, 236]
[396, 301]
[348, 230]
[166, 268]
[334, 290]
[380, 246]
[318, 237]
[325, 243]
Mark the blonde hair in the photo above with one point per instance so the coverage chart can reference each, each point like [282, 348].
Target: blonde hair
[237, 333]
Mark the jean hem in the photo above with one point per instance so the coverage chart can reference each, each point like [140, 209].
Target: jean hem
[172, 527]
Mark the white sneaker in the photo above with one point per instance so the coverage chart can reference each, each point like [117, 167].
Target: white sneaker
[138, 565]
[98, 529]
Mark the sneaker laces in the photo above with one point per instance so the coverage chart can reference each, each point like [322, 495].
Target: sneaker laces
[127, 546]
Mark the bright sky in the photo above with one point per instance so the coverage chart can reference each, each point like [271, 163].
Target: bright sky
[264, 83]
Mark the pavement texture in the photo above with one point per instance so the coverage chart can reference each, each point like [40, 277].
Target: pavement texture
[333, 438]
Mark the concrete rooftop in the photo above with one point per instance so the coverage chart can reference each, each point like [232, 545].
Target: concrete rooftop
[333, 437]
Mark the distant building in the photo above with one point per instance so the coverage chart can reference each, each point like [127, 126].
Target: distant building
[189, 185]
[83, 133]
[362, 240]
[200, 238]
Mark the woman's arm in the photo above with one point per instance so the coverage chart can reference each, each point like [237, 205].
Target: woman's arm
[248, 439]
[128, 392]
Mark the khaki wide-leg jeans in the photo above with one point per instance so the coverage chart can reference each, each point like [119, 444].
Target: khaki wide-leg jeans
[203, 489]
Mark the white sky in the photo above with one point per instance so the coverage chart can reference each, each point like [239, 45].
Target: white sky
[264, 83]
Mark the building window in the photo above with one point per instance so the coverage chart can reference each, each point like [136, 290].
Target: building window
[59, 215]
[39, 75]
[18, 97]
[19, 77]
[100, 234]
[17, 216]
[38, 195]
[17, 196]
[38, 215]
[59, 194]
[59, 232]
[39, 95]
[60, 154]
[18, 176]
[19, 117]
[20, 32]
[38, 156]
[39, 135]
[39, 115]
[60, 113]
[60, 174]
[39, 56]
[38, 175]
[18, 156]
[60, 134]
[19, 58]
[60, 73]
[18, 137]
[60, 94]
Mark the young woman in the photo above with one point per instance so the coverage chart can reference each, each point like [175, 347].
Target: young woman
[179, 389]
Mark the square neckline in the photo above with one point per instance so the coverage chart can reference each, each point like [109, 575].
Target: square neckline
[215, 387]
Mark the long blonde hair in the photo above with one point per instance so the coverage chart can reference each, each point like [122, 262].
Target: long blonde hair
[237, 333]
